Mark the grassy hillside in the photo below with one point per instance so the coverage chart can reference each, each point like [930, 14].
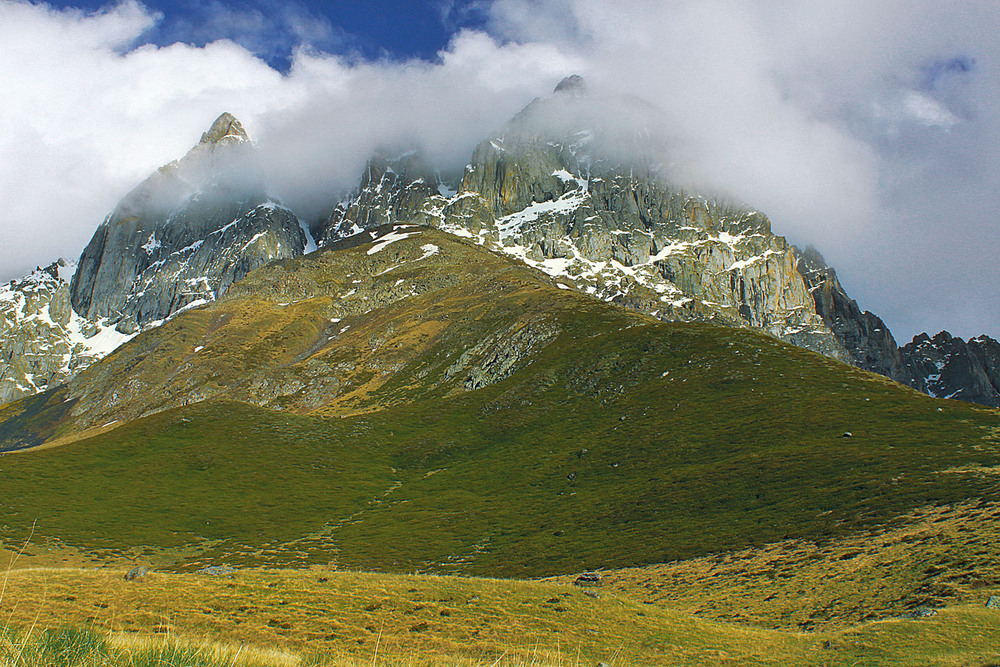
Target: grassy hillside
[421, 405]
[934, 558]
[598, 439]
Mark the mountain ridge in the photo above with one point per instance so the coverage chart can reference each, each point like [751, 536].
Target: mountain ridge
[589, 207]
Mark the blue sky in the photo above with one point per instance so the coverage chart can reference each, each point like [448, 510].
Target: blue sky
[868, 128]
[371, 29]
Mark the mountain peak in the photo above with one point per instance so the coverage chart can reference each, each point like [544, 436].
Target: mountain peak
[225, 128]
[571, 84]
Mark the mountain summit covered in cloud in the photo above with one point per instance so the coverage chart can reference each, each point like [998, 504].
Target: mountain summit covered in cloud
[185, 234]
[864, 129]
[178, 240]
[566, 187]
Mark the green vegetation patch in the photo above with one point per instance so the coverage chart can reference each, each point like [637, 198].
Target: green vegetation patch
[646, 443]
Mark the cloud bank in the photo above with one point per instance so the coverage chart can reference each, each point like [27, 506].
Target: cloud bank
[870, 129]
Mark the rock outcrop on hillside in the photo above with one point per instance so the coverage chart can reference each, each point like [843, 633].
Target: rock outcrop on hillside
[184, 235]
[42, 341]
[948, 367]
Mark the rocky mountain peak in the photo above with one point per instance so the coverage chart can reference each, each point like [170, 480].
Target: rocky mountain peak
[183, 235]
[225, 129]
[573, 84]
[946, 366]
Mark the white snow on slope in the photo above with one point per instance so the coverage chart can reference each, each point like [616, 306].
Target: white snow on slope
[382, 242]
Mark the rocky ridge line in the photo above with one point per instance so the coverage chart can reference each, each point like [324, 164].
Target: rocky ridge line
[43, 342]
[941, 366]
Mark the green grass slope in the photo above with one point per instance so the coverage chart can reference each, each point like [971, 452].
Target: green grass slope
[595, 437]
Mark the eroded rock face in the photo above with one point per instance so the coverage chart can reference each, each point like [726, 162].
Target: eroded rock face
[863, 334]
[576, 200]
[184, 235]
[42, 341]
[943, 366]
[392, 189]
[949, 367]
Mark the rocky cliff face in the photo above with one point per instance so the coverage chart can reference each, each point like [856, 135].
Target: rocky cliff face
[42, 341]
[863, 334]
[948, 367]
[184, 235]
[565, 194]
[391, 190]
[942, 366]
[179, 239]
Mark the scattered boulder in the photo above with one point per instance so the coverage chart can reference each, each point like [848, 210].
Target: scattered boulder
[136, 573]
[588, 579]
[993, 602]
[919, 612]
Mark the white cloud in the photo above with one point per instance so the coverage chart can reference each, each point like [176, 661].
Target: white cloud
[85, 118]
[867, 128]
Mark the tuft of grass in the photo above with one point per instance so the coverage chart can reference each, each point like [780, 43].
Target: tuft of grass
[87, 647]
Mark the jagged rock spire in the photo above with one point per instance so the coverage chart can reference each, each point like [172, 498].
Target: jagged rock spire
[225, 127]
[184, 234]
[572, 84]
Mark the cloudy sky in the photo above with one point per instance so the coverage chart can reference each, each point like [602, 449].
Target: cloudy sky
[870, 129]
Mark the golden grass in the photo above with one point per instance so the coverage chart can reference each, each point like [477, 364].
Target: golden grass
[322, 618]
[340, 617]
[936, 556]
[227, 653]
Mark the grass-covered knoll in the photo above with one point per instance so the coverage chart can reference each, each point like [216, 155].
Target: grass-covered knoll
[337, 332]
[319, 617]
[938, 557]
[427, 405]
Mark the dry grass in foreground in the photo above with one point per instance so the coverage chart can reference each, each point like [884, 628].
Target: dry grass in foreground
[317, 618]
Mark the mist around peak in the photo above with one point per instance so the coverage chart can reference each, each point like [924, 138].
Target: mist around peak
[866, 129]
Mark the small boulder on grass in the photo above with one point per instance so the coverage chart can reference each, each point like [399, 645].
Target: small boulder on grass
[136, 573]
[993, 602]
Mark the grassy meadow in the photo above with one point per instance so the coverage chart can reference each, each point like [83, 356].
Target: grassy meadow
[411, 471]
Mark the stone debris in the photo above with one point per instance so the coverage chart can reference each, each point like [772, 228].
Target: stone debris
[588, 579]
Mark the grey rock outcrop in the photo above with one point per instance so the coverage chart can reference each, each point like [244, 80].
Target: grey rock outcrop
[184, 235]
[943, 366]
[863, 334]
[948, 367]
[42, 341]
[391, 189]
